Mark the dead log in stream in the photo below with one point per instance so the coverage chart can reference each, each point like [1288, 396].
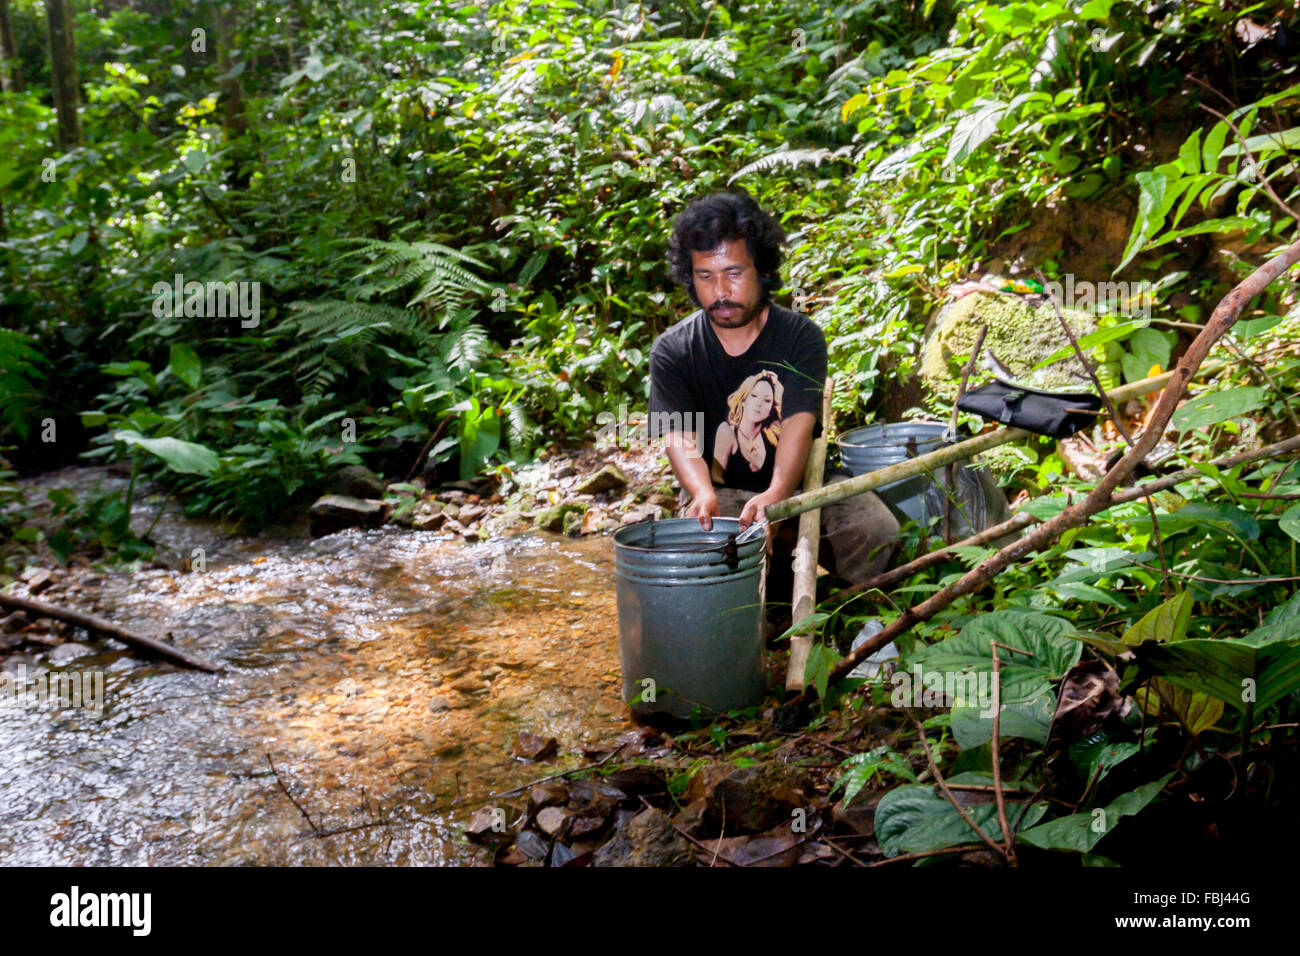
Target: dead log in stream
[92, 622]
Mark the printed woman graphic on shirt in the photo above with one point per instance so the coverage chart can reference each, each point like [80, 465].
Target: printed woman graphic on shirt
[744, 448]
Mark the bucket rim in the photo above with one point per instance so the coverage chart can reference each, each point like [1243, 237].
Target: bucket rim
[756, 542]
[883, 426]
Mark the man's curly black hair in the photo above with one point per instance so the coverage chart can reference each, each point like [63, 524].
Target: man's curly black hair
[707, 223]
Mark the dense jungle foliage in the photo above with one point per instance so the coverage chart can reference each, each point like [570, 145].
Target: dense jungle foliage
[444, 223]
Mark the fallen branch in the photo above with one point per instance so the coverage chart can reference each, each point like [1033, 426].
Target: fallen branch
[1101, 497]
[92, 622]
[961, 811]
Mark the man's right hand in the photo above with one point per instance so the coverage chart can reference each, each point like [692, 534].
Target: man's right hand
[705, 508]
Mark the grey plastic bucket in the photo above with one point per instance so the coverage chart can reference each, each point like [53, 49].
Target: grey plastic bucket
[690, 616]
[976, 503]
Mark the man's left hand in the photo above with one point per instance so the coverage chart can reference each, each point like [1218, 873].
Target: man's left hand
[753, 510]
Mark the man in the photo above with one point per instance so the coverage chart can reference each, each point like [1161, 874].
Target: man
[751, 373]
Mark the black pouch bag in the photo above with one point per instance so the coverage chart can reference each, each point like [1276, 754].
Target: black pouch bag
[1057, 414]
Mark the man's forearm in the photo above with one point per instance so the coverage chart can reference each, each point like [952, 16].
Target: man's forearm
[688, 464]
[792, 454]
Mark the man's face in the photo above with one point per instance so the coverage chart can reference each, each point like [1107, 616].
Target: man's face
[727, 285]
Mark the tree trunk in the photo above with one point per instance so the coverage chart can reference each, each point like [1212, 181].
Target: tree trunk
[11, 74]
[63, 72]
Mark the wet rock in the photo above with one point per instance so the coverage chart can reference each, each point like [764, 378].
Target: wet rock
[37, 580]
[645, 512]
[454, 526]
[357, 481]
[589, 824]
[563, 470]
[553, 519]
[648, 839]
[561, 855]
[609, 478]
[553, 820]
[488, 826]
[469, 685]
[757, 798]
[532, 746]
[547, 795]
[66, 653]
[470, 513]
[532, 845]
[493, 672]
[333, 513]
[449, 508]
[439, 705]
[572, 524]
[428, 516]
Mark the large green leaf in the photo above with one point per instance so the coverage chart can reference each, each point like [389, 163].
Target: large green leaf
[972, 724]
[1080, 832]
[1215, 514]
[1218, 406]
[914, 819]
[1166, 622]
[1229, 669]
[1050, 653]
[185, 457]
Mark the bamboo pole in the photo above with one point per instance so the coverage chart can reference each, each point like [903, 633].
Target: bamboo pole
[839, 490]
[804, 598]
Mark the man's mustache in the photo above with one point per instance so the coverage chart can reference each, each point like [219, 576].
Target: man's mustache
[723, 305]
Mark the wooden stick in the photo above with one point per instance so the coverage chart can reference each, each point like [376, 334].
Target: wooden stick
[840, 490]
[1101, 497]
[1007, 850]
[94, 623]
[805, 550]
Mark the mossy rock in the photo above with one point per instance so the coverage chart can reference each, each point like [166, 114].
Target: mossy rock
[1022, 332]
[561, 517]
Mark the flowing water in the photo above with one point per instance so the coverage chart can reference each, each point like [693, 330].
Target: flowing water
[335, 649]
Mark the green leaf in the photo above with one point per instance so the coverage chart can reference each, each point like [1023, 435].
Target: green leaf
[1024, 676]
[1080, 832]
[972, 725]
[1197, 711]
[1290, 522]
[1099, 758]
[1229, 669]
[973, 129]
[184, 457]
[914, 819]
[1218, 406]
[1092, 340]
[817, 672]
[479, 440]
[1167, 622]
[78, 242]
[185, 364]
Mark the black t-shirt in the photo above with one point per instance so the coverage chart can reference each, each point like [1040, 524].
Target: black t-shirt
[735, 403]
